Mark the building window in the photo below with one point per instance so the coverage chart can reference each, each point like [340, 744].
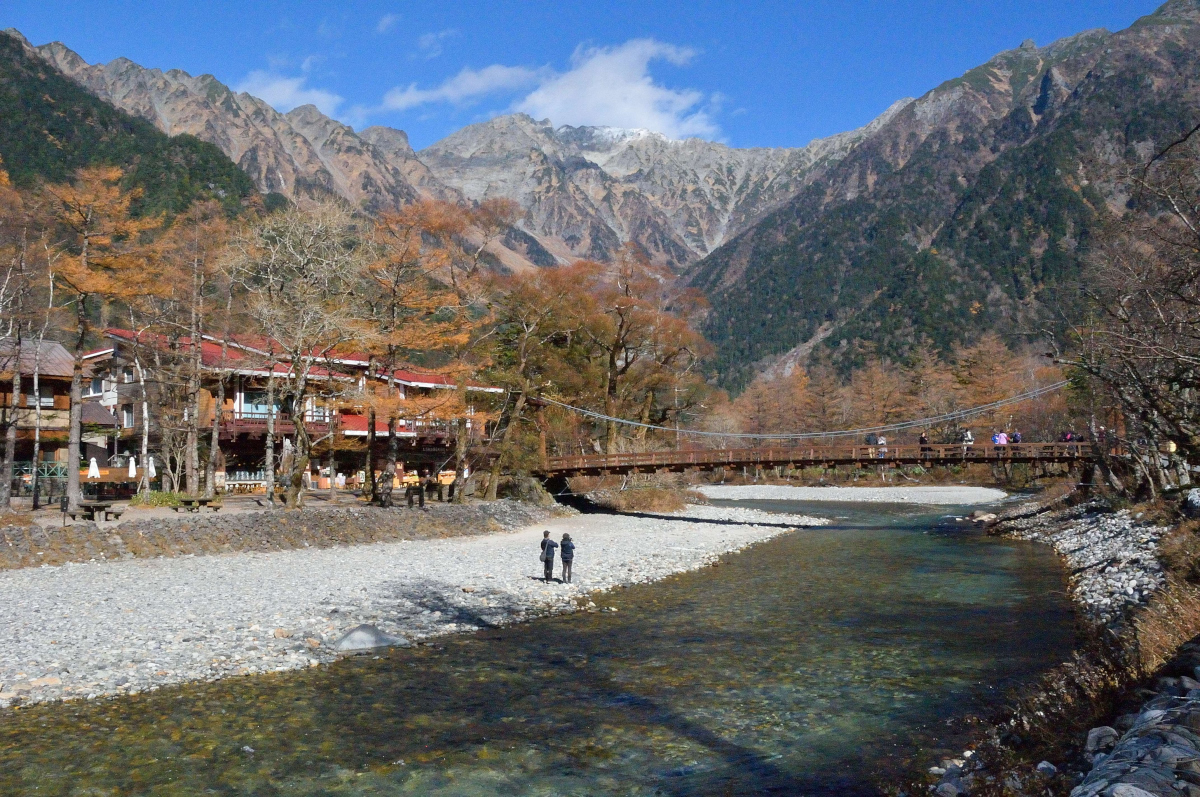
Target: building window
[95, 387]
[127, 416]
[127, 375]
[47, 394]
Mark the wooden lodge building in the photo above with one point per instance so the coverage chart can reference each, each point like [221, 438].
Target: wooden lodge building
[54, 365]
[330, 415]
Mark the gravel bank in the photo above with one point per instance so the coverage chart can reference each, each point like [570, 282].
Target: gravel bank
[98, 628]
[953, 495]
[263, 530]
[1112, 557]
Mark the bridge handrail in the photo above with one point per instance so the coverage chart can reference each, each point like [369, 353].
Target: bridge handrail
[979, 452]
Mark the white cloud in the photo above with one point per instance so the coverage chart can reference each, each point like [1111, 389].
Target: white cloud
[467, 85]
[429, 46]
[386, 23]
[613, 86]
[605, 86]
[285, 93]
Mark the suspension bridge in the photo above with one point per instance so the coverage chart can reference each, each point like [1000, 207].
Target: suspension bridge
[800, 456]
[814, 449]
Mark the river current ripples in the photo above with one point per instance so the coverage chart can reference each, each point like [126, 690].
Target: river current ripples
[819, 662]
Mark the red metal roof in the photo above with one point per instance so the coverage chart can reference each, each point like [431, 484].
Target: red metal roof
[247, 354]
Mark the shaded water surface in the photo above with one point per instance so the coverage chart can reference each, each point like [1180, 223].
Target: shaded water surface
[816, 663]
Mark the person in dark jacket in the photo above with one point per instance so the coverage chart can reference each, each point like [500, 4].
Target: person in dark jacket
[547, 555]
[568, 556]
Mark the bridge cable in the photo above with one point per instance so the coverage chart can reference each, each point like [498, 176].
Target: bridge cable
[892, 427]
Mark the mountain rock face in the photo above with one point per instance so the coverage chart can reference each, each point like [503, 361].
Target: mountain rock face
[969, 210]
[50, 127]
[586, 191]
[300, 153]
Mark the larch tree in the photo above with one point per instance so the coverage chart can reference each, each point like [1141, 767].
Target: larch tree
[104, 253]
[406, 307]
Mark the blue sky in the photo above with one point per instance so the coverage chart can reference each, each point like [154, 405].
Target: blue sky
[748, 73]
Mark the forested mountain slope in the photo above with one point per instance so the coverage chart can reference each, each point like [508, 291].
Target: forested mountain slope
[50, 126]
[969, 211]
[299, 153]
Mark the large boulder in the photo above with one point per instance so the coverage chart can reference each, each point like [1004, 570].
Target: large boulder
[365, 637]
[1191, 503]
[525, 489]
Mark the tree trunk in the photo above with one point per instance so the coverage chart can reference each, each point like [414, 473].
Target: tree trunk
[269, 463]
[332, 471]
[302, 458]
[460, 460]
[75, 435]
[10, 427]
[389, 467]
[505, 443]
[144, 447]
[610, 404]
[644, 417]
[37, 415]
[214, 446]
[192, 460]
[369, 487]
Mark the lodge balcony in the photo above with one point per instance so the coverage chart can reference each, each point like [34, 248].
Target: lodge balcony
[253, 424]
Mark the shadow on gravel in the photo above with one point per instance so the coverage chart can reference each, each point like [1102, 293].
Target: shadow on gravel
[711, 521]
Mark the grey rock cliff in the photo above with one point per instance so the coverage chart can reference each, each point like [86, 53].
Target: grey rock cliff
[588, 190]
[300, 153]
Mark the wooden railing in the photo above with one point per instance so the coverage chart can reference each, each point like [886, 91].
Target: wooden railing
[816, 456]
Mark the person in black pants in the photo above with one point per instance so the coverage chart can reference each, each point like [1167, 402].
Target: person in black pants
[547, 555]
[417, 491]
[568, 556]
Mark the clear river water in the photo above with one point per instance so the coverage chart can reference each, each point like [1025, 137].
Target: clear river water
[822, 662]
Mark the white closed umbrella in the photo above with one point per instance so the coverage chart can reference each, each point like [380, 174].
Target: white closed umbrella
[150, 467]
[93, 470]
[133, 467]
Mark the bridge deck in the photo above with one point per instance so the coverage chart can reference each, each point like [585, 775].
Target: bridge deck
[817, 456]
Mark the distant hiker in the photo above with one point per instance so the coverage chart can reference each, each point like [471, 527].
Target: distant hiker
[1002, 438]
[432, 485]
[568, 556]
[872, 440]
[882, 446]
[415, 492]
[547, 555]
[923, 440]
[1016, 438]
[968, 440]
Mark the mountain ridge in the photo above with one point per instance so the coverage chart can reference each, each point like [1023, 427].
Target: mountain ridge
[588, 190]
[585, 191]
[969, 211]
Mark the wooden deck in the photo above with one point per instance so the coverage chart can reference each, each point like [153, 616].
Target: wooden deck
[801, 456]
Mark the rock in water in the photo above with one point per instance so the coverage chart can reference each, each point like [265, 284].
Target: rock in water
[365, 637]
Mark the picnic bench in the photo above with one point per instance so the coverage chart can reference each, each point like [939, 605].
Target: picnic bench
[196, 504]
[98, 510]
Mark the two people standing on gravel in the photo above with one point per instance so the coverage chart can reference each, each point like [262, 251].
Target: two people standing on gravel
[549, 547]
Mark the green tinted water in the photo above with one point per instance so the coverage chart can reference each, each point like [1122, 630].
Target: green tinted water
[816, 663]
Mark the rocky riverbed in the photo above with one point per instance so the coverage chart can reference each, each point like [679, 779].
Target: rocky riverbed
[1153, 750]
[1113, 567]
[1111, 556]
[82, 630]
